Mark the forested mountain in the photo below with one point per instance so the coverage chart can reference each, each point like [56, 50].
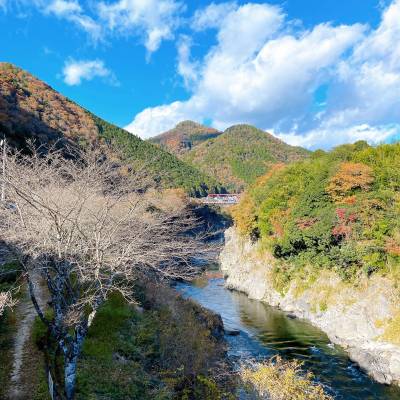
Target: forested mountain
[241, 154]
[31, 109]
[185, 136]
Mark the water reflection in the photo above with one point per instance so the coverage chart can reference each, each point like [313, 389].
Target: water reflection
[265, 331]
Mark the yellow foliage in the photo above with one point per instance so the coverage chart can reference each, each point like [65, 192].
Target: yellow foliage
[244, 215]
[283, 380]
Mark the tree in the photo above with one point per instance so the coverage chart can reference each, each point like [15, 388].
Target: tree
[350, 177]
[88, 230]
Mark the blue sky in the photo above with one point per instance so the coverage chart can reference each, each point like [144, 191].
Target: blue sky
[315, 73]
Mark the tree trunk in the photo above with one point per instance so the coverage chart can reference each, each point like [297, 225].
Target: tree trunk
[71, 363]
[70, 375]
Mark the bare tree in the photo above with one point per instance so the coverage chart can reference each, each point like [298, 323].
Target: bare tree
[88, 230]
[5, 301]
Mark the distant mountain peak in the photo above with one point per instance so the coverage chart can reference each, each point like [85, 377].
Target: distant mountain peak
[186, 135]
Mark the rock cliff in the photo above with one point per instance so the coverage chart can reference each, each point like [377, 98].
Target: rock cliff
[356, 318]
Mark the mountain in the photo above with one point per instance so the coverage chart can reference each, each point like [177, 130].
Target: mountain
[241, 154]
[184, 137]
[31, 109]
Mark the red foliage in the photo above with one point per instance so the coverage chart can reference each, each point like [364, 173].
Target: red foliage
[343, 229]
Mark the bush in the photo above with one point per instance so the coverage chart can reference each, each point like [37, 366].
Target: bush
[282, 380]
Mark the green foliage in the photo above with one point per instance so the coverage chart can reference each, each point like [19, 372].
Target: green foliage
[32, 110]
[338, 210]
[241, 154]
[163, 166]
[152, 353]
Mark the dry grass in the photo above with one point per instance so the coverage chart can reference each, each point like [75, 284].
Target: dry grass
[282, 380]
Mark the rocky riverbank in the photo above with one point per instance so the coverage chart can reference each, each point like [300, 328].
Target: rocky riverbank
[361, 319]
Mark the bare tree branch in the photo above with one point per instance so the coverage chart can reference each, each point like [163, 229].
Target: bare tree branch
[89, 230]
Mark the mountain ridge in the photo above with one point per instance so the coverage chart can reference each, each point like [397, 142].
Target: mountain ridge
[31, 109]
[237, 156]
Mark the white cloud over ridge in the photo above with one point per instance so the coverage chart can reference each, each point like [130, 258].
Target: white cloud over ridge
[265, 74]
[75, 72]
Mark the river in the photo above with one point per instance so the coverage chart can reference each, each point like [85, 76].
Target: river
[265, 331]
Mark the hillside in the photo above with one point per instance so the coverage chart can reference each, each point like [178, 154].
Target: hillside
[185, 136]
[241, 154]
[336, 211]
[31, 109]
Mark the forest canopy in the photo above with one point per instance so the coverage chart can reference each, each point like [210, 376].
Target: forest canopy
[337, 210]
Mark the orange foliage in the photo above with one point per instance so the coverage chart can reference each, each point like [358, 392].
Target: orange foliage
[349, 200]
[351, 176]
[392, 247]
[262, 180]
[244, 214]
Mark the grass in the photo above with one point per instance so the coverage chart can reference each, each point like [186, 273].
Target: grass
[149, 354]
[8, 277]
[7, 330]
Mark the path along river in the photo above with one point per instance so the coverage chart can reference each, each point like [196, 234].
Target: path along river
[265, 331]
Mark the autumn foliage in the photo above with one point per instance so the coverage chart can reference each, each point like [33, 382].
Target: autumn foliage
[339, 210]
[350, 177]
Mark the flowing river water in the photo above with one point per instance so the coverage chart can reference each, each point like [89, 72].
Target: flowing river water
[263, 331]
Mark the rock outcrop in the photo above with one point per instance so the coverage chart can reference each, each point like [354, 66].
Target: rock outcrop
[355, 318]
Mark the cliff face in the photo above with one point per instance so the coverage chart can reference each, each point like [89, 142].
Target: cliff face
[359, 319]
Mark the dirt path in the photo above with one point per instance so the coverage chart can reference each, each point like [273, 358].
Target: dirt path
[26, 314]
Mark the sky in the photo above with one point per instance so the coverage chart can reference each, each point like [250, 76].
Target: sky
[314, 73]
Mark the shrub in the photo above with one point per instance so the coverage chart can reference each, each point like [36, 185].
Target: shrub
[282, 380]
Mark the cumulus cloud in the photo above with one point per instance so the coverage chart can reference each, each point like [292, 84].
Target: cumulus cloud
[258, 73]
[270, 75]
[75, 72]
[153, 20]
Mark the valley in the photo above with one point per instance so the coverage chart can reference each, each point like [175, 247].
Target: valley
[109, 227]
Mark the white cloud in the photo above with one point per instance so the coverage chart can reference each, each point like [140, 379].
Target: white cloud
[63, 7]
[257, 72]
[154, 20]
[212, 15]
[268, 73]
[75, 72]
[187, 69]
[329, 136]
[72, 11]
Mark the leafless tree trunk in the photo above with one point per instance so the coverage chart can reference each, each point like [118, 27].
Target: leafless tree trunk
[89, 230]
